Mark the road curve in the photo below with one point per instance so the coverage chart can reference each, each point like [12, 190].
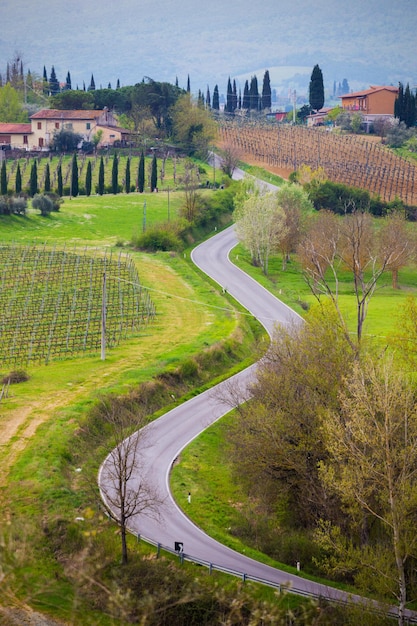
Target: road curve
[167, 436]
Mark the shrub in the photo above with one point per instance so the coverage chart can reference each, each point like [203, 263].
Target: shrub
[42, 203]
[56, 200]
[16, 376]
[158, 238]
[18, 205]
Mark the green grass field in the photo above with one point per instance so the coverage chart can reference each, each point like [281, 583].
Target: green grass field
[40, 417]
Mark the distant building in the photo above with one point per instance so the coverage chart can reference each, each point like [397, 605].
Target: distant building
[373, 103]
[38, 135]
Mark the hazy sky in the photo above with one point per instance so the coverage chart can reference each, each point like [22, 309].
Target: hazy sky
[372, 42]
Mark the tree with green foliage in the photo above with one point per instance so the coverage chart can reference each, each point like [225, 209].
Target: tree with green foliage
[43, 203]
[246, 100]
[33, 183]
[65, 141]
[405, 106]
[141, 173]
[254, 94]
[18, 181]
[372, 459]
[92, 86]
[11, 108]
[88, 179]
[100, 187]
[194, 128]
[47, 183]
[127, 175]
[54, 87]
[3, 179]
[68, 82]
[154, 173]
[115, 174]
[72, 99]
[316, 89]
[74, 176]
[60, 187]
[266, 91]
[216, 103]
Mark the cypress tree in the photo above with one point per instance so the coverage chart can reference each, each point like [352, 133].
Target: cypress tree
[246, 100]
[59, 180]
[92, 86]
[33, 184]
[141, 173]
[188, 84]
[88, 179]
[74, 176]
[53, 83]
[18, 186]
[3, 179]
[115, 175]
[229, 97]
[45, 82]
[47, 184]
[100, 187]
[216, 104]
[154, 173]
[234, 96]
[254, 94]
[399, 102]
[208, 98]
[316, 91]
[68, 82]
[127, 175]
[266, 91]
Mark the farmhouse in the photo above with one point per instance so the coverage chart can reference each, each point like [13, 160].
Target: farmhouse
[373, 103]
[38, 135]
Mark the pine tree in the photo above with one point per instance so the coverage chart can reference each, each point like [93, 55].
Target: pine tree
[216, 104]
[154, 173]
[141, 173]
[59, 180]
[115, 175]
[3, 179]
[266, 91]
[100, 188]
[74, 177]
[316, 90]
[18, 183]
[127, 175]
[33, 184]
[88, 179]
[47, 184]
[53, 83]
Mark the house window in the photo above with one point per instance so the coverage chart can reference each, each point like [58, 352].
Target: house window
[25, 139]
[39, 125]
[88, 126]
[68, 125]
[56, 124]
[40, 142]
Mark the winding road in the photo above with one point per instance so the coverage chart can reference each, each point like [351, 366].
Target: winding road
[167, 436]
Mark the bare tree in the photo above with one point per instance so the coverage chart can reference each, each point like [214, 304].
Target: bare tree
[295, 204]
[230, 159]
[333, 244]
[125, 489]
[191, 192]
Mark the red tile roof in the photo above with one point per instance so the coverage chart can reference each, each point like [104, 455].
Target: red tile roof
[367, 92]
[57, 114]
[15, 129]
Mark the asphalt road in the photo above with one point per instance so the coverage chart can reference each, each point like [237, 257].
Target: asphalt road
[164, 439]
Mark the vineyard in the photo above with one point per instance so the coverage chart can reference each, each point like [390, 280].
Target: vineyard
[349, 159]
[55, 303]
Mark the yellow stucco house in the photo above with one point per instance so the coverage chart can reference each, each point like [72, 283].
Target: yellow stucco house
[38, 135]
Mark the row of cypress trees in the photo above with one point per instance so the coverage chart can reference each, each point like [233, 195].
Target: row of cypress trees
[405, 107]
[74, 184]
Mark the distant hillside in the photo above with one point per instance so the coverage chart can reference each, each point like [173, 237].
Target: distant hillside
[367, 43]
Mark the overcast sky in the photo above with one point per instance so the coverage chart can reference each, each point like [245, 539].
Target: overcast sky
[372, 42]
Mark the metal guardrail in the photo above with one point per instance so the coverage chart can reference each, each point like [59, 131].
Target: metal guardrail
[411, 617]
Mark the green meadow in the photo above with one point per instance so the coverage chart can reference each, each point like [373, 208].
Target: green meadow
[40, 419]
